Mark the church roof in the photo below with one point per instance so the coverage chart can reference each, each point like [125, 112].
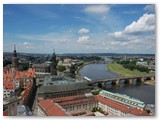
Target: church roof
[63, 87]
[55, 80]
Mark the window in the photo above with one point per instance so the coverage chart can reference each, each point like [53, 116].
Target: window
[5, 108]
[47, 96]
[83, 105]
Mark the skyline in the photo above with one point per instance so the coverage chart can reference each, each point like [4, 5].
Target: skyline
[80, 28]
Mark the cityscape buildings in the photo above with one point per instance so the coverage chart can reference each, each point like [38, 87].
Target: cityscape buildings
[56, 95]
[104, 64]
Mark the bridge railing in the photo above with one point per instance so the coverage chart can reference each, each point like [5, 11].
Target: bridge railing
[118, 78]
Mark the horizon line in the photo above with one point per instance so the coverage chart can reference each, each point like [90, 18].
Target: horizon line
[82, 53]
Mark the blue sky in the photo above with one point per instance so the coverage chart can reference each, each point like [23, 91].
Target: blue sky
[83, 28]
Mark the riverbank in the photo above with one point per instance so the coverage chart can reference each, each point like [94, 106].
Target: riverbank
[116, 68]
[78, 69]
[84, 64]
[99, 71]
[150, 82]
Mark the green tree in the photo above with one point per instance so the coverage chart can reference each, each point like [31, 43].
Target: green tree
[61, 68]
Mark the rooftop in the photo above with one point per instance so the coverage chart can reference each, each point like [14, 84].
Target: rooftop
[57, 80]
[122, 96]
[121, 107]
[27, 91]
[9, 75]
[73, 99]
[52, 109]
[98, 114]
[63, 87]
[5, 113]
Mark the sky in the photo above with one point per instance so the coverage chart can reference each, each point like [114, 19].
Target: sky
[79, 28]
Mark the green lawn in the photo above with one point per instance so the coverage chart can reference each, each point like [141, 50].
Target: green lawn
[125, 72]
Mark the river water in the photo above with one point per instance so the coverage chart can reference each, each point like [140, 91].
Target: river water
[141, 91]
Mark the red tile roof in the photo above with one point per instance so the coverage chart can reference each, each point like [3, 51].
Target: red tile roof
[121, 107]
[51, 109]
[8, 78]
[92, 114]
[27, 91]
[5, 113]
[68, 100]
[79, 113]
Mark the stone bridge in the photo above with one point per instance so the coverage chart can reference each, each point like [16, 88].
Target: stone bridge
[102, 62]
[116, 81]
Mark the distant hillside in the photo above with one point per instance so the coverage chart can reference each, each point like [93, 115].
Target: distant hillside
[86, 54]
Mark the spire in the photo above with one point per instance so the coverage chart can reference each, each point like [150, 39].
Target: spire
[53, 67]
[14, 47]
[14, 58]
[53, 50]
[14, 51]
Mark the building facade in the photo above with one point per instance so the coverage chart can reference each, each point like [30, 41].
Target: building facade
[62, 90]
[124, 99]
[10, 106]
[77, 103]
[70, 105]
[114, 108]
[48, 108]
[14, 80]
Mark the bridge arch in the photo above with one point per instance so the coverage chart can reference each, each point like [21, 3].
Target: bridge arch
[116, 81]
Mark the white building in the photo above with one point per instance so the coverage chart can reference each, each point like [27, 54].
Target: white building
[10, 106]
[124, 99]
[9, 87]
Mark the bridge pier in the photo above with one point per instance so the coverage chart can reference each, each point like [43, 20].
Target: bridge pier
[148, 78]
[128, 81]
[116, 82]
[101, 84]
[140, 80]
[152, 78]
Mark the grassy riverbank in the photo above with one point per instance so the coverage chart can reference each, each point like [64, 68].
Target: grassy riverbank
[150, 82]
[125, 72]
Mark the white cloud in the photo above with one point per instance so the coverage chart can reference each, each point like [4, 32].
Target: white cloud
[83, 39]
[104, 18]
[115, 43]
[136, 37]
[116, 34]
[26, 43]
[97, 9]
[145, 23]
[150, 8]
[83, 30]
[50, 37]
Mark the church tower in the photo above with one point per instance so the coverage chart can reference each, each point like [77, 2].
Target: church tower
[15, 59]
[53, 67]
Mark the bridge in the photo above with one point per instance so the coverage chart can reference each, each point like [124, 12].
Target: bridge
[101, 62]
[116, 81]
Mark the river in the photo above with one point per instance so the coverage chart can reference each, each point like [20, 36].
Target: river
[141, 91]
